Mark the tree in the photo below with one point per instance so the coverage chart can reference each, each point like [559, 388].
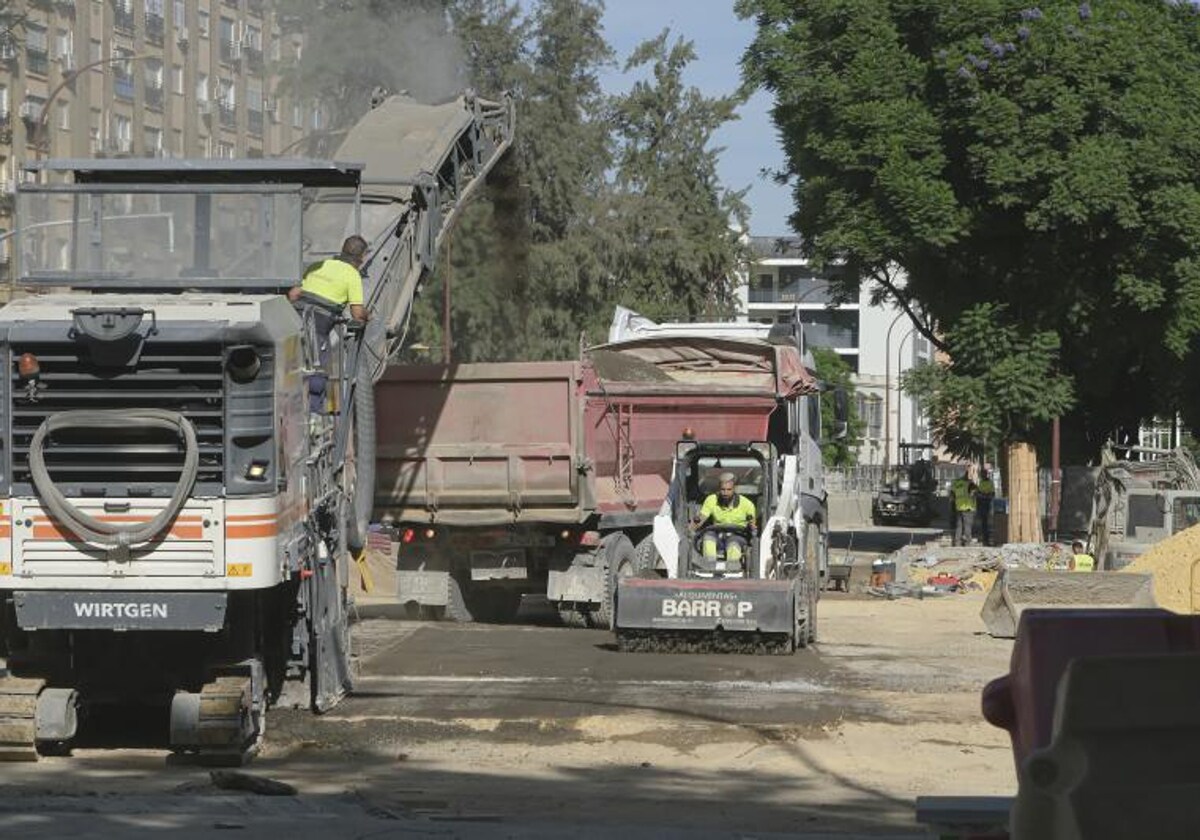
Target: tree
[1042, 158]
[353, 47]
[832, 370]
[679, 228]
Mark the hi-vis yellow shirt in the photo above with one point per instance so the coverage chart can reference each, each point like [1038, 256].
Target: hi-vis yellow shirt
[336, 281]
[739, 515]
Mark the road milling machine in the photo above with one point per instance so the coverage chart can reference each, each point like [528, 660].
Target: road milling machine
[176, 528]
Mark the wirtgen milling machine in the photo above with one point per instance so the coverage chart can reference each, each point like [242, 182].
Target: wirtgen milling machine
[175, 527]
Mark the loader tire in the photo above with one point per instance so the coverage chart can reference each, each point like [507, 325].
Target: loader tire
[621, 561]
[645, 558]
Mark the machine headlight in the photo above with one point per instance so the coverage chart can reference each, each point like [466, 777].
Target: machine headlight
[257, 471]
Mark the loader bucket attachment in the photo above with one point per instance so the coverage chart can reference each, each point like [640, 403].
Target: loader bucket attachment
[1017, 590]
[706, 616]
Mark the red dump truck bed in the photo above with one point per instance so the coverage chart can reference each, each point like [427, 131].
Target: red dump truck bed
[563, 442]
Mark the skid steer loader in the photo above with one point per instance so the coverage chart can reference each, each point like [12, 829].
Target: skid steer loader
[679, 600]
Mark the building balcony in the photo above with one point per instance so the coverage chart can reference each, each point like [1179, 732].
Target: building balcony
[254, 122]
[37, 61]
[123, 20]
[230, 52]
[228, 116]
[154, 28]
[154, 97]
[123, 87]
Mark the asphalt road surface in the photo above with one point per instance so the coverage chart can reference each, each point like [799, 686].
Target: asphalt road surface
[532, 730]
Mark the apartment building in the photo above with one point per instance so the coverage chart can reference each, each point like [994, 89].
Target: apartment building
[152, 78]
[878, 342]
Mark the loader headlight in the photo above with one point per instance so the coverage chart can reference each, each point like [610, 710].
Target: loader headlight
[257, 471]
[243, 364]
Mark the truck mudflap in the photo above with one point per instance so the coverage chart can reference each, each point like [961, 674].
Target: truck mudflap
[704, 616]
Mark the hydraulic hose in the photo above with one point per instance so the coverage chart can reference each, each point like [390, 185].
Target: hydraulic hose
[110, 533]
[363, 499]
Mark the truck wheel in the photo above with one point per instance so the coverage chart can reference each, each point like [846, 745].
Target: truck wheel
[621, 561]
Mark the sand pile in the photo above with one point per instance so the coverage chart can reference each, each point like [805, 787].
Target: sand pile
[1173, 565]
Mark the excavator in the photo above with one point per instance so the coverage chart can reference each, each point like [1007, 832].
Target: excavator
[176, 527]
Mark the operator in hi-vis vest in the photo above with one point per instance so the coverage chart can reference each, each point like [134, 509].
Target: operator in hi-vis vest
[329, 286]
[962, 493]
[730, 518]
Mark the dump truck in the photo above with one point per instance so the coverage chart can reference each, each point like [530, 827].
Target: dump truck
[506, 479]
[175, 527]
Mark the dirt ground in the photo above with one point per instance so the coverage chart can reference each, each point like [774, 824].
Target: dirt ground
[531, 730]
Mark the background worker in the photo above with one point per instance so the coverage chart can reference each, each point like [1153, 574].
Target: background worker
[984, 494]
[721, 512]
[1081, 561]
[962, 495]
[328, 287]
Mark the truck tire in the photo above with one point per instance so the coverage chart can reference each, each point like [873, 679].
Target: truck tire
[620, 561]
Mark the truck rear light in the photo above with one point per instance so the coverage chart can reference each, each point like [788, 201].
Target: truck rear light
[430, 533]
[406, 536]
[589, 538]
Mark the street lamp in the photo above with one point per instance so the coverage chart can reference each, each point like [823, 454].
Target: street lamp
[887, 391]
[899, 401]
[70, 76]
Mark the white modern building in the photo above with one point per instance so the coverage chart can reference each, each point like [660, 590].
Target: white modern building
[878, 342]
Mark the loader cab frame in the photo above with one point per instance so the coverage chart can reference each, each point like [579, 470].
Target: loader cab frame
[698, 465]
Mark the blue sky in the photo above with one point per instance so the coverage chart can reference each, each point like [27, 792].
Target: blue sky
[750, 143]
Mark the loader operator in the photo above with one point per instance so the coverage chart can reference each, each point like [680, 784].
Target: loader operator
[328, 288]
[730, 520]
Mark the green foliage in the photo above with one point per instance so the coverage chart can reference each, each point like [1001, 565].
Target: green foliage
[603, 200]
[679, 250]
[353, 47]
[833, 371]
[1040, 157]
[1000, 384]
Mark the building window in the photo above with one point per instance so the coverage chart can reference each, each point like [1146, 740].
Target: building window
[64, 44]
[64, 116]
[226, 150]
[177, 142]
[762, 287]
[227, 103]
[37, 59]
[837, 329]
[254, 106]
[179, 16]
[229, 41]
[4, 111]
[123, 15]
[96, 53]
[123, 76]
[177, 79]
[122, 133]
[297, 115]
[202, 22]
[202, 87]
[154, 21]
[94, 139]
[153, 78]
[152, 140]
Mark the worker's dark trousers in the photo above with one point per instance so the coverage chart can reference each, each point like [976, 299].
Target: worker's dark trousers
[318, 383]
[962, 532]
[985, 524]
